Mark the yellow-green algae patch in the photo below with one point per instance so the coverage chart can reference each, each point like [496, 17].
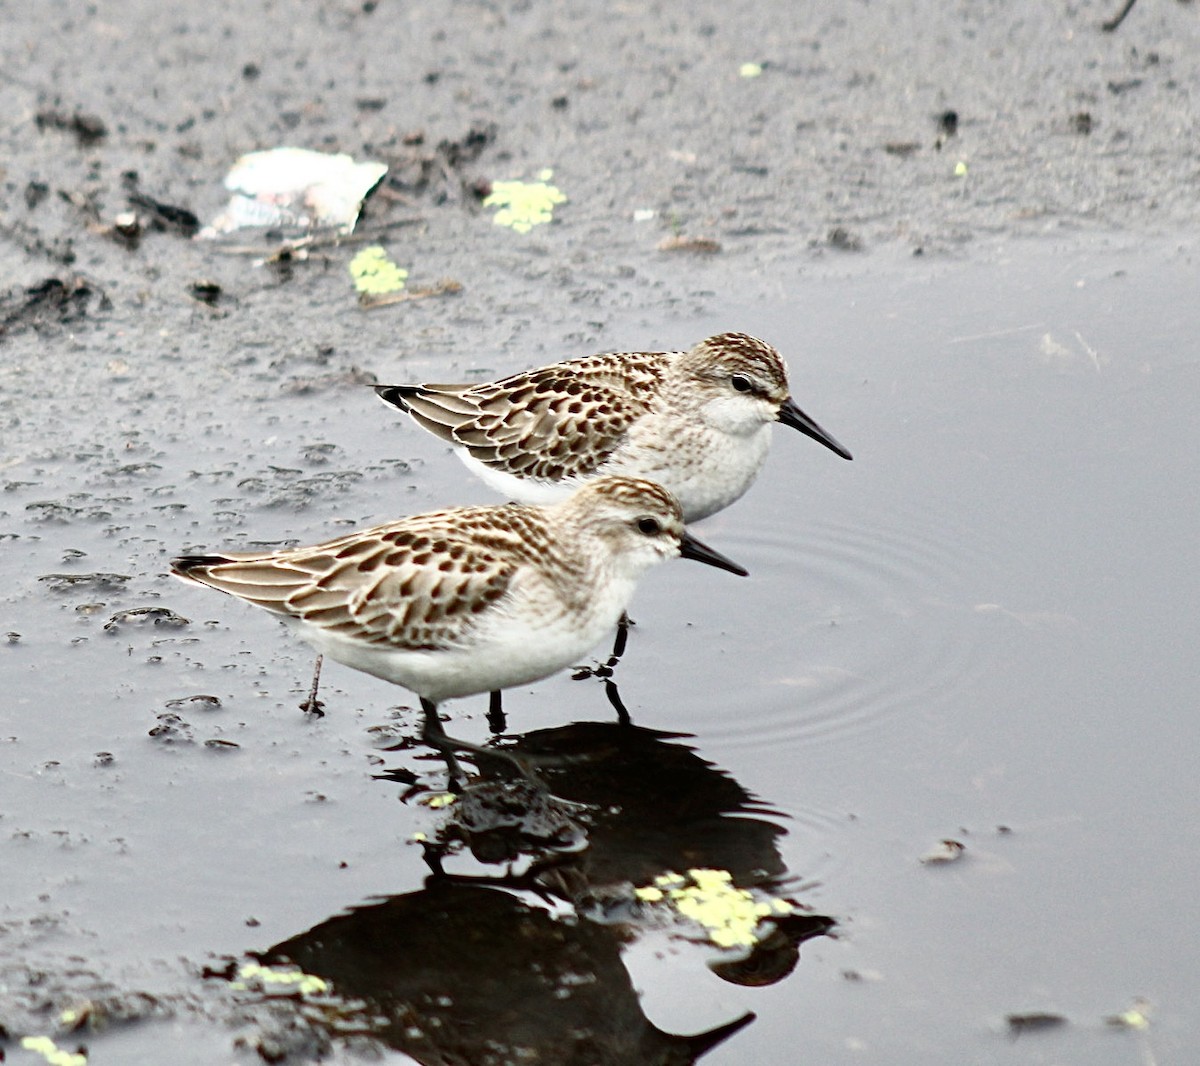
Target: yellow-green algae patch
[375, 274]
[524, 205]
[730, 915]
[279, 979]
[51, 1052]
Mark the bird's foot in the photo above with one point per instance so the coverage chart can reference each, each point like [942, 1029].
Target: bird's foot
[314, 707]
[311, 704]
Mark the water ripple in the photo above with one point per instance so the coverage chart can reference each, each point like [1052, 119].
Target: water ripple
[855, 626]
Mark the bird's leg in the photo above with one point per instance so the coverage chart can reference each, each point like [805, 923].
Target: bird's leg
[496, 720]
[312, 705]
[624, 624]
[435, 735]
[432, 854]
[614, 697]
[604, 670]
[610, 686]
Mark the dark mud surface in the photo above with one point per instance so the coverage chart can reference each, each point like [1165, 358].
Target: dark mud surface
[982, 630]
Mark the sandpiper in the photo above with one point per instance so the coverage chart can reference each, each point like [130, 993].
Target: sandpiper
[469, 600]
[697, 422]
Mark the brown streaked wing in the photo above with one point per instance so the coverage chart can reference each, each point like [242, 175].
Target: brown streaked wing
[414, 584]
[417, 584]
[556, 422]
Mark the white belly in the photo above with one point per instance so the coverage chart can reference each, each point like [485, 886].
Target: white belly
[511, 487]
[522, 641]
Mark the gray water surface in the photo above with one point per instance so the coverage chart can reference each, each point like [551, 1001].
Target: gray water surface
[982, 629]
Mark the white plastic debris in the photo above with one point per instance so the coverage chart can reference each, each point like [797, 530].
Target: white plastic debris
[295, 188]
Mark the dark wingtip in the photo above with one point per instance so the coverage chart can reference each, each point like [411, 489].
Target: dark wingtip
[396, 395]
[185, 564]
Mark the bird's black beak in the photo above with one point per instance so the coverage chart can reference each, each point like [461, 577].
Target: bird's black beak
[691, 548]
[791, 415]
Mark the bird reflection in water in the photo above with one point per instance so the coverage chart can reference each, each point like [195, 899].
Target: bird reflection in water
[460, 973]
[522, 961]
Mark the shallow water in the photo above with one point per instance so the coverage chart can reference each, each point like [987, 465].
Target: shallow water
[981, 629]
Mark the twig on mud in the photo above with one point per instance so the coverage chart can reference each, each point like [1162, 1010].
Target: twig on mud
[445, 287]
[1118, 18]
[302, 245]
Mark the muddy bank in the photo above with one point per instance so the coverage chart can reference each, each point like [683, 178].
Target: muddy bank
[952, 637]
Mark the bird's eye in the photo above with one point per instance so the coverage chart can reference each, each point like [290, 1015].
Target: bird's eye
[741, 383]
[649, 526]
